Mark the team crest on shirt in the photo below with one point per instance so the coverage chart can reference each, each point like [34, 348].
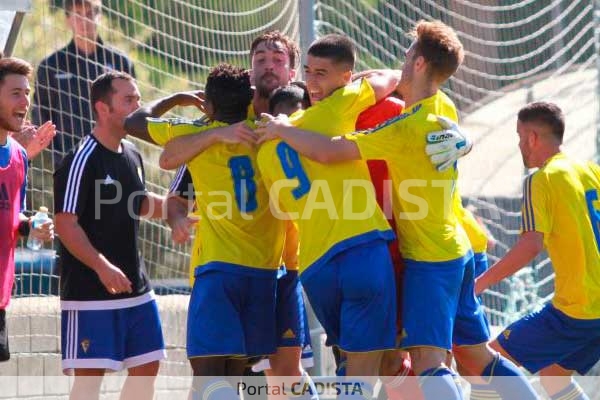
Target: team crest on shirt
[289, 334]
[506, 333]
[108, 180]
[85, 345]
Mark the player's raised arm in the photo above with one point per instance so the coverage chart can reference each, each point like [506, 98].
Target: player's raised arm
[383, 81]
[136, 123]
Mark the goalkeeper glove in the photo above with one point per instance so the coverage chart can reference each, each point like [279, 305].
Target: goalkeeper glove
[445, 147]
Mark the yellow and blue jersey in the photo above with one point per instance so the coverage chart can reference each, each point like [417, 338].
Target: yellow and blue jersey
[236, 228]
[334, 206]
[561, 200]
[428, 228]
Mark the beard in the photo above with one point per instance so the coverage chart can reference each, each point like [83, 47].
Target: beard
[6, 125]
[265, 90]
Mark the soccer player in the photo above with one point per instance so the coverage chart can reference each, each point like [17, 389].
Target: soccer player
[232, 306]
[109, 316]
[14, 104]
[396, 364]
[560, 213]
[63, 78]
[436, 250]
[332, 265]
[289, 99]
[293, 332]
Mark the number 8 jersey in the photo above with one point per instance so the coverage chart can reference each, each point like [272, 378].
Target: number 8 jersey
[334, 206]
[236, 227]
[561, 200]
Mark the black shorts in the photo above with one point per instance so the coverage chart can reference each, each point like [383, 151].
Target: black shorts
[4, 353]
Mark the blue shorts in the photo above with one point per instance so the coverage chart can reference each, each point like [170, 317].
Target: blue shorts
[470, 326]
[430, 301]
[481, 263]
[354, 297]
[231, 312]
[112, 339]
[291, 318]
[549, 336]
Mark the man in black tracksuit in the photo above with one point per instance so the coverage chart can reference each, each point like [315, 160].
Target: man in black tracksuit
[63, 79]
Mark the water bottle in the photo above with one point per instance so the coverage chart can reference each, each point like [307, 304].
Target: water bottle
[38, 219]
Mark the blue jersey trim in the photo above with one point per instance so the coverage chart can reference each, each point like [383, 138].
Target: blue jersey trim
[387, 235]
[235, 269]
[457, 262]
[478, 257]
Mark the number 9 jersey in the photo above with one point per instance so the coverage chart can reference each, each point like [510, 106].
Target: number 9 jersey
[236, 228]
[334, 206]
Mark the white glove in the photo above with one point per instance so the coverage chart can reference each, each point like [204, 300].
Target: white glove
[445, 147]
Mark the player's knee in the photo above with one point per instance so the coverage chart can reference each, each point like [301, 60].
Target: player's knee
[424, 358]
[473, 359]
[391, 362]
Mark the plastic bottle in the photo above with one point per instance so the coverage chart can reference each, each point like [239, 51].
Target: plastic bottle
[38, 219]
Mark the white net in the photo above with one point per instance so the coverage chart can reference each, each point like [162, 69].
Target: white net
[516, 51]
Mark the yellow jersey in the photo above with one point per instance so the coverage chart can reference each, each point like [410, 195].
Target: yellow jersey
[236, 227]
[333, 206]
[477, 235]
[422, 198]
[560, 200]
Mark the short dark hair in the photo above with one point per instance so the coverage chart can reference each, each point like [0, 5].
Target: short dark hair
[12, 65]
[439, 45]
[102, 88]
[228, 89]
[337, 48]
[306, 99]
[288, 96]
[70, 4]
[545, 113]
[271, 37]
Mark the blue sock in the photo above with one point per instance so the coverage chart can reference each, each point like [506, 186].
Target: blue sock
[572, 392]
[437, 384]
[214, 389]
[515, 387]
[483, 392]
